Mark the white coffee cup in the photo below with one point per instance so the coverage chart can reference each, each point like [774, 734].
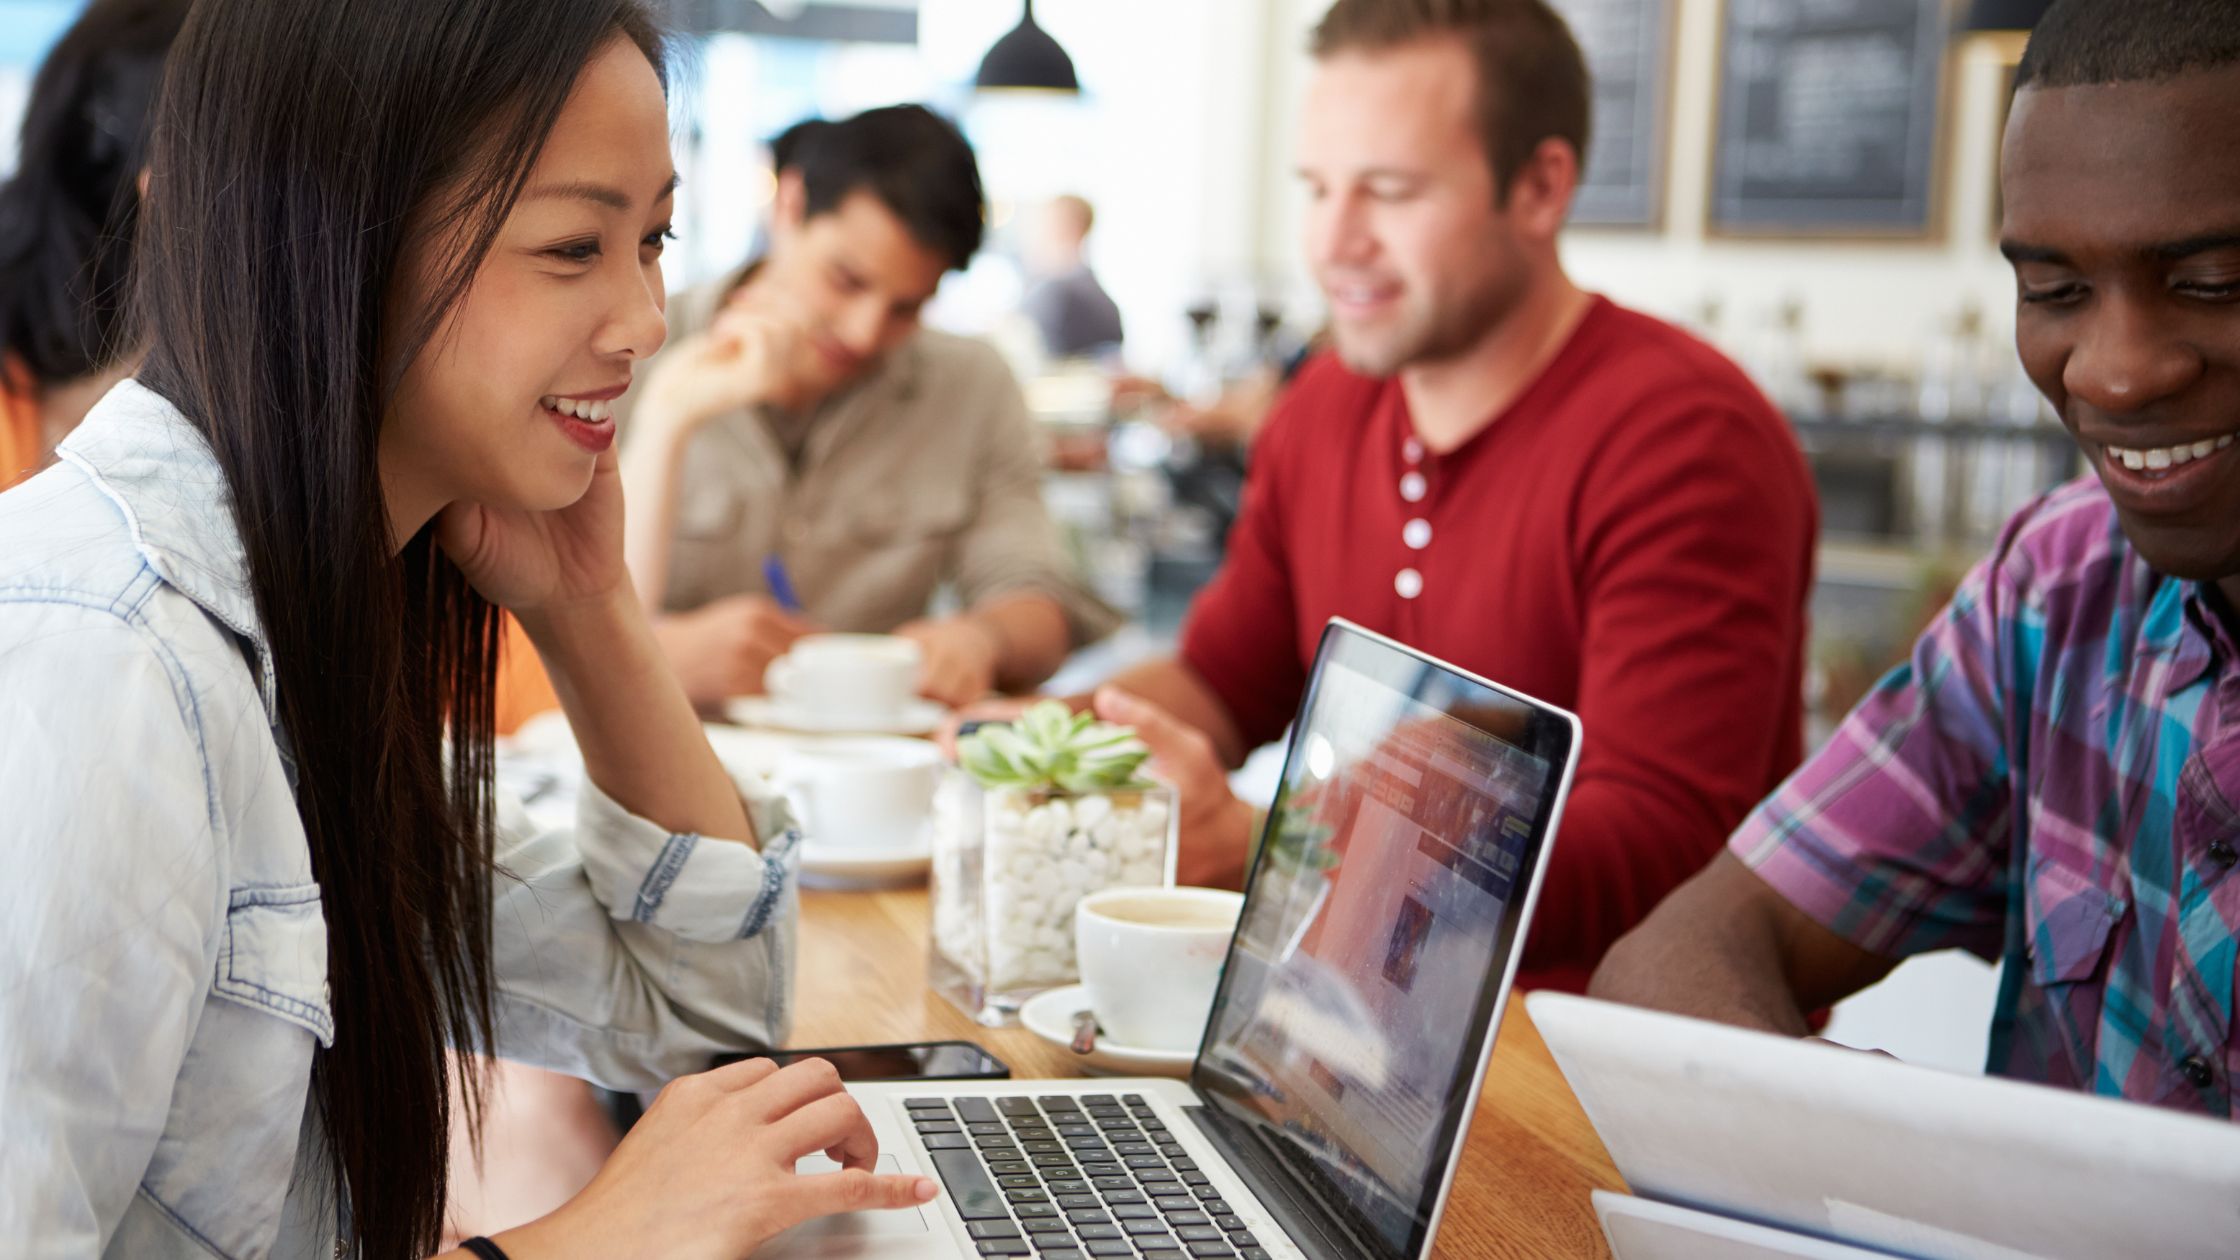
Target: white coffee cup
[862, 794]
[844, 678]
[1151, 959]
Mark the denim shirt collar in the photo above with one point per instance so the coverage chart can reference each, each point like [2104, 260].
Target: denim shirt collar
[158, 470]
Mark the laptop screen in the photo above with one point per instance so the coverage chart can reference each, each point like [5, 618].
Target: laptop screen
[1378, 927]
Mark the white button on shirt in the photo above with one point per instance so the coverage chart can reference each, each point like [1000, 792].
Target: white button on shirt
[1414, 487]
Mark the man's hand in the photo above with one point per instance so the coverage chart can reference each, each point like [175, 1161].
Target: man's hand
[960, 659]
[1235, 417]
[721, 650]
[986, 712]
[1216, 826]
[750, 356]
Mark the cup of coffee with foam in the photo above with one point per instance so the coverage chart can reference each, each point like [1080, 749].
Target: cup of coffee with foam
[1151, 958]
[843, 679]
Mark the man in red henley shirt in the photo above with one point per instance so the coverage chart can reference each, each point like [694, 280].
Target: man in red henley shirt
[1563, 495]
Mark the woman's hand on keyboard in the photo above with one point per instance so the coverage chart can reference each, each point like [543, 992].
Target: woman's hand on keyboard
[709, 1170]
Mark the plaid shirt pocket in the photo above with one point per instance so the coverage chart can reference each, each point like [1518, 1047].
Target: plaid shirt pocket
[2071, 917]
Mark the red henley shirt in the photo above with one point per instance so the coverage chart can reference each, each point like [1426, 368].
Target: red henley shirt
[1631, 539]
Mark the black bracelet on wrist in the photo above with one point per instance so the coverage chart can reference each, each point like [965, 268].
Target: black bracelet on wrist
[484, 1249]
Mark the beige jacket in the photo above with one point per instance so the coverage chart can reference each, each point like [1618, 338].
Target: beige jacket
[925, 473]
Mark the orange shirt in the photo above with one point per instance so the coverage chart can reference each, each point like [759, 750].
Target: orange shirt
[523, 689]
[20, 445]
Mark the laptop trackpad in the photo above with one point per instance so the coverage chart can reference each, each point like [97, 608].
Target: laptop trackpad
[851, 1234]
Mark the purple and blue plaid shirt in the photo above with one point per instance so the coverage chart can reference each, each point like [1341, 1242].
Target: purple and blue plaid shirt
[2051, 779]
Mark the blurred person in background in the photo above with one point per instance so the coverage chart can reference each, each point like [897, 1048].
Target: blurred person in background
[803, 421]
[66, 221]
[1565, 496]
[1231, 419]
[1076, 317]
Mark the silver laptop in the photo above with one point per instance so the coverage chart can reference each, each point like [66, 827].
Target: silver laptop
[1350, 1034]
[1821, 1144]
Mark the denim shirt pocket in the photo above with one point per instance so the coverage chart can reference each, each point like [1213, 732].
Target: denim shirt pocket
[274, 956]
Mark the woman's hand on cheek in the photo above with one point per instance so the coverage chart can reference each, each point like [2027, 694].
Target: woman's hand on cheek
[525, 561]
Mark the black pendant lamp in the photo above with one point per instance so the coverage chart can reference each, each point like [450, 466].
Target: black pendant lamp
[1027, 58]
[2004, 15]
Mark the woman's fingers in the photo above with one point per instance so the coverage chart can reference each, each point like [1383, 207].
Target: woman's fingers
[853, 1190]
[710, 1087]
[784, 1092]
[744, 1074]
[831, 1123]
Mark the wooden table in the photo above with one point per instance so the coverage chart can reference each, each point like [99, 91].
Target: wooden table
[1531, 1159]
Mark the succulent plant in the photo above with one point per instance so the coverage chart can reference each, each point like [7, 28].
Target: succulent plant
[1050, 748]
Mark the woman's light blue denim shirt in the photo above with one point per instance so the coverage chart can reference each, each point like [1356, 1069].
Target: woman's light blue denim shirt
[163, 951]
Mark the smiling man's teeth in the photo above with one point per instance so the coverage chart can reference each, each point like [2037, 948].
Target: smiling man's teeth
[1359, 294]
[2162, 457]
[593, 412]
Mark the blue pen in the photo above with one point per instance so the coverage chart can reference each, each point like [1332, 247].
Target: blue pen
[781, 586]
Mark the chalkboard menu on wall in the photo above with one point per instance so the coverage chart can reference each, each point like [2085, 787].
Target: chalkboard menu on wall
[1628, 45]
[1828, 117]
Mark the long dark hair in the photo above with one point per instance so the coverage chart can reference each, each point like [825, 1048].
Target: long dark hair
[67, 214]
[301, 146]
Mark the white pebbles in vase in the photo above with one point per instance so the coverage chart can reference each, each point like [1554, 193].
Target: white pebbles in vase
[1044, 854]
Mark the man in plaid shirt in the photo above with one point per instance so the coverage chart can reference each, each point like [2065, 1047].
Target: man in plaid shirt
[2054, 778]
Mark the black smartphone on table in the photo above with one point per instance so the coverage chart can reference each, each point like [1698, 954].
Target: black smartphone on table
[904, 1061]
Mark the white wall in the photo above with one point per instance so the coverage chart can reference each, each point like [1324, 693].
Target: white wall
[1865, 302]
[1184, 140]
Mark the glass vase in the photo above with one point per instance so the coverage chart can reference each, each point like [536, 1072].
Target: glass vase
[1010, 864]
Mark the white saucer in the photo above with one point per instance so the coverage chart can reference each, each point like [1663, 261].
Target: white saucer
[917, 717]
[545, 745]
[763, 752]
[854, 866]
[1050, 1017]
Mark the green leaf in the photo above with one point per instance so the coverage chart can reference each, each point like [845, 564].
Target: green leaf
[1051, 747]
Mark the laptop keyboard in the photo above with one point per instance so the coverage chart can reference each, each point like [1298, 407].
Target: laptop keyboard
[1069, 1177]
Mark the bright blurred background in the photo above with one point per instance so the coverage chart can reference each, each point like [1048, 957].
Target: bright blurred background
[1812, 187]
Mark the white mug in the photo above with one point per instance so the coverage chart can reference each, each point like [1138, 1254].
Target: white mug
[846, 677]
[1151, 959]
[862, 794]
